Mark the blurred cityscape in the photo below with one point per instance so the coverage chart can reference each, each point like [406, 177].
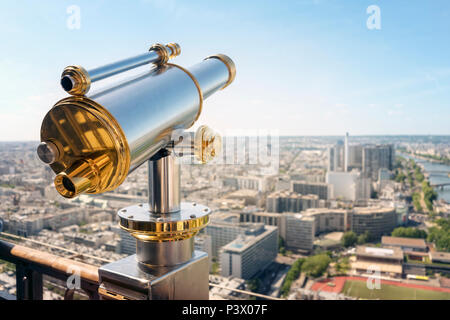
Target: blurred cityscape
[340, 211]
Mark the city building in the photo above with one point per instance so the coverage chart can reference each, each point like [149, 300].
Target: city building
[440, 257]
[261, 184]
[385, 262]
[286, 201]
[337, 157]
[31, 223]
[300, 231]
[320, 189]
[378, 221]
[406, 244]
[203, 243]
[250, 197]
[267, 218]
[384, 178]
[377, 157]
[224, 228]
[250, 253]
[350, 186]
[329, 220]
[355, 157]
[127, 243]
[402, 211]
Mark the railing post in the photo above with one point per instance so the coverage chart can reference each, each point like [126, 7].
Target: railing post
[28, 283]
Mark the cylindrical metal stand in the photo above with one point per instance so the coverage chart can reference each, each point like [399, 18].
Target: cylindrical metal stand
[168, 253]
[164, 200]
[163, 183]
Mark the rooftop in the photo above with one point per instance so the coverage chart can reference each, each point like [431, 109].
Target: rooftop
[372, 210]
[443, 256]
[310, 183]
[292, 195]
[374, 252]
[398, 241]
[242, 243]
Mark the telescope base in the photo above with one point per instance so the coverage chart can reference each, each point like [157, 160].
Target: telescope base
[125, 280]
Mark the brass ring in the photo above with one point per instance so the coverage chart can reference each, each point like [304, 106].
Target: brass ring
[230, 66]
[200, 93]
[82, 81]
[163, 53]
[175, 48]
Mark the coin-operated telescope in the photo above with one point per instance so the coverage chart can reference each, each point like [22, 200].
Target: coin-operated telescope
[92, 142]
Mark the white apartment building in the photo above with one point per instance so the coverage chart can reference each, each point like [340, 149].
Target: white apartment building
[249, 254]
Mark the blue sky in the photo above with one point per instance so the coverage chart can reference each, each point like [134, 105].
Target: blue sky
[306, 67]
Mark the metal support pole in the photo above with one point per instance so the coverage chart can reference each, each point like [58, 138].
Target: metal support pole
[164, 183]
[28, 283]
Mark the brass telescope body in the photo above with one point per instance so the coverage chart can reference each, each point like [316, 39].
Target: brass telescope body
[95, 141]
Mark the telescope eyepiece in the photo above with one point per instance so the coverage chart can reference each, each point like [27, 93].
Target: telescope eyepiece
[68, 185]
[67, 83]
[75, 80]
[79, 178]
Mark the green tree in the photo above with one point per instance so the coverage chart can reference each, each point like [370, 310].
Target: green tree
[291, 276]
[399, 163]
[440, 235]
[349, 239]
[416, 201]
[343, 266]
[400, 177]
[409, 232]
[418, 174]
[429, 195]
[315, 266]
[281, 248]
[364, 238]
[215, 267]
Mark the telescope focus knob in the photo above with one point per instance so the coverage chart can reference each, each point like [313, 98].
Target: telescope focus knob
[48, 152]
[207, 144]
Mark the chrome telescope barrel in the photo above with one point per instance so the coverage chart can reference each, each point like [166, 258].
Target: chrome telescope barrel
[76, 80]
[93, 142]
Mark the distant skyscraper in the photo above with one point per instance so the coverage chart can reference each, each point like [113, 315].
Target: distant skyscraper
[355, 157]
[336, 157]
[346, 152]
[377, 157]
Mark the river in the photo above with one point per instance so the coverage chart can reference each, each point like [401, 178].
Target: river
[438, 174]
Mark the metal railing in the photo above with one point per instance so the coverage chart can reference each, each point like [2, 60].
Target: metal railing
[32, 264]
